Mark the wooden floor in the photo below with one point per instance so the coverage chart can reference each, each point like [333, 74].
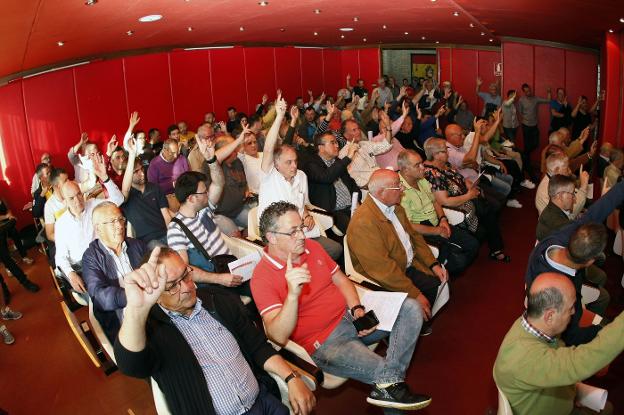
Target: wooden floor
[46, 371]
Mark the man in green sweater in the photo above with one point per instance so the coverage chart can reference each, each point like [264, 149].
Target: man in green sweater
[534, 369]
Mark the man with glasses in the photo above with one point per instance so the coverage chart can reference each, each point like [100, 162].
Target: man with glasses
[165, 170]
[303, 295]
[74, 230]
[559, 209]
[105, 263]
[571, 250]
[385, 248]
[146, 206]
[559, 163]
[198, 345]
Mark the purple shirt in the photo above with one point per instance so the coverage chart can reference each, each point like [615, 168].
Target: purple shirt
[164, 173]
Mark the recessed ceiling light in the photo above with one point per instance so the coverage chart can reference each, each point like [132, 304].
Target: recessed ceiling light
[355, 19]
[406, 33]
[610, 30]
[621, 19]
[437, 41]
[482, 33]
[282, 29]
[346, 29]
[491, 40]
[242, 29]
[471, 25]
[130, 32]
[341, 36]
[455, 14]
[364, 40]
[150, 18]
[433, 1]
[60, 43]
[315, 33]
[423, 37]
[90, 2]
[263, 3]
[384, 27]
[190, 29]
[317, 11]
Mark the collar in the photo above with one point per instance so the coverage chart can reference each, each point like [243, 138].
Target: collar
[124, 248]
[408, 186]
[278, 263]
[529, 328]
[559, 267]
[173, 315]
[386, 210]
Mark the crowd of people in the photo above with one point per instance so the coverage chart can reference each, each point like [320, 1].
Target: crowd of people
[141, 233]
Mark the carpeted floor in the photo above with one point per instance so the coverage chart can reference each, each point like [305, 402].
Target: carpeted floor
[46, 371]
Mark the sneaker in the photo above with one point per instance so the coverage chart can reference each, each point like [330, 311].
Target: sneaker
[9, 314]
[507, 143]
[514, 203]
[30, 286]
[6, 335]
[397, 396]
[426, 329]
[27, 260]
[528, 184]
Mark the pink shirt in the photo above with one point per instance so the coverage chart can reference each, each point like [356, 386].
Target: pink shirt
[389, 159]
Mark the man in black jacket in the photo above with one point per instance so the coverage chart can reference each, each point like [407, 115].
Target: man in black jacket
[199, 346]
[329, 184]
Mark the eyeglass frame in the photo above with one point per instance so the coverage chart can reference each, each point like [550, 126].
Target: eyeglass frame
[177, 283]
[120, 220]
[293, 233]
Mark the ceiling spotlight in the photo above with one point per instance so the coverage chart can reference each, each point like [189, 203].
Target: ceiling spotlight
[341, 36]
[317, 11]
[130, 32]
[455, 14]
[242, 29]
[406, 33]
[355, 19]
[610, 30]
[315, 33]
[150, 18]
[364, 39]
[60, 43]
[491, 40]
[471, 25]
[282, 29]
[423, 37]
[190, 29]
[437, 41]
[384, 27]
[346, 29]
[621, 19]
[263, 3]
[90, 2]
[433, 1]
[482, 33]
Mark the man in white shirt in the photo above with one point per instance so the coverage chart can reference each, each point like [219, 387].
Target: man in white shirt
[46, 159]
[282, 181]
[74, 230]
[84, 173]
[55, 205]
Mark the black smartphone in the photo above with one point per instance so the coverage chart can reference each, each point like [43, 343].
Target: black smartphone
[367, 321]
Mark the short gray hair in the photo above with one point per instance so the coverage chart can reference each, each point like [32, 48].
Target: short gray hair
[559, 183]
[434, 145]
[555, 161]
[102, 206]
[555, 138]
[403, 157]
[542, 300]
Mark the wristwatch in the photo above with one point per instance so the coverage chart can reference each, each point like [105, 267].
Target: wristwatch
[212, 160]
[293, 374]
[357, 307]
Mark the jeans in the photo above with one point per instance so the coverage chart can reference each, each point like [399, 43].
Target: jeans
[5, 255]
[502, 183]
[267, 404]
[229, 225]
[346, 355]
[531, 142]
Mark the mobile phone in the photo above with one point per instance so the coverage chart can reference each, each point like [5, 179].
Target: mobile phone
[367, 321]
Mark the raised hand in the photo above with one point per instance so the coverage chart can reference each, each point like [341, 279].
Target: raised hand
[222, 126]
[206, 147]
[584, 134]
[245, 130]
[479, 81]
[330, 109]
[265, 99]
[478, 125]
[310, 93]
[418, 111]
[402, 91]
[352, 149]
[280, 105]
[294, 112]
[111, 145]
[383, 116]
[144, 285]
[99, 167]
[279, 92]
[134, 119]
[405, 108]
[83, 139]
[296, 277]
[348, 76]
[440, 111]
[498, 114]
[132, 148]
[447, 93]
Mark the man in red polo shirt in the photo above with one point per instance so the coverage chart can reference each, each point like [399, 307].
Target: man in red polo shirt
[304, 296]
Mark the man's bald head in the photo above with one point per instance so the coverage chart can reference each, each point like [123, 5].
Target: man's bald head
[454, 135]
[551, 293]
[381, 179]
[73, 197]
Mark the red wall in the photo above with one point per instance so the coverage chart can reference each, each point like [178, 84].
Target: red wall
[47, 113]
[612, 114]
[542, 67]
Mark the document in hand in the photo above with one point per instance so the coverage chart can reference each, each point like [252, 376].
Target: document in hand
[385, 304]
[591, 397]
[244, 266]
[313, 233]
[441, 299]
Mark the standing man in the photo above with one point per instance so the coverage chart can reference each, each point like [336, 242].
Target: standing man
[528, 105]
[560, 111]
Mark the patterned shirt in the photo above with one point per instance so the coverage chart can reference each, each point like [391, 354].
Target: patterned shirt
[231, 382]
[204, 229]
[343, 196]
[419, 203]
[537, 333]
[122, 262]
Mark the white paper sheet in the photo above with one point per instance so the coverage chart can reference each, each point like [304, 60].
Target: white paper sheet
[441, 299]
[591, 397]
[244, 266]
[385, 304]
[590, 191]
[314, 232]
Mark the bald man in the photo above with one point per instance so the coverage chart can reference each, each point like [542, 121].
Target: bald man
[604, 159]
[74, 229]
[106, 261]
[385, 248]
[534, 369]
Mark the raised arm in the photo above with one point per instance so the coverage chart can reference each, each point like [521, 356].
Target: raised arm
[207, 149]
[492, 130]
[225, 151]
[479, 83]
[134, 120]
[126, 184]
[73, 151]
[471, 155]
[273, 135]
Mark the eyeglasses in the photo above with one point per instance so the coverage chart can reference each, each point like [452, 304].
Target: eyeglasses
[570, 193]
[205, 192]
[292, 233]
[331, 142]
[117, 221]
[399, 187]
[174, 287]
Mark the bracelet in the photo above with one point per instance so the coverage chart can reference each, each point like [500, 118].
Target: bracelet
[294, 374]
[442, 217]
[107, 180]
[357, 307]
[212, 160]
[435, 264]
[307, 216]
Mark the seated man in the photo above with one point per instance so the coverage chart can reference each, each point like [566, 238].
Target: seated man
[43, 191]
[196, 215]
[118, 159]
[302, 295]
[559, 209]
[558, 163]
[604, 158]
[613, 171]
[329, 185]
[405, 264]
[105, 263]
[458, 247]
[561, 138]
[84, 174]
[195, 157]
[45, 159]
[282, 181]
[165, 169]
[198, 345]
[55, 205]
[146, 206]
[74, 230]
[571, 250]
[534, 368]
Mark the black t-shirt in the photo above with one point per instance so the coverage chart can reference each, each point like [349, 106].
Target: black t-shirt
[143, 211]
[3, 208]
[233, 195]
[579, 123]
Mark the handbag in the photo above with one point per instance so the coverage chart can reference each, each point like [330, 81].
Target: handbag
[201, 258]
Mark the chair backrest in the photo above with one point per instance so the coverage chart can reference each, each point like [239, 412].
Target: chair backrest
[99, 333]
[455, 217]
[253, 225]
[159, 399]
[503, 404]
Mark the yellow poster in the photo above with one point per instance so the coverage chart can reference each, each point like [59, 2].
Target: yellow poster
[424, 70]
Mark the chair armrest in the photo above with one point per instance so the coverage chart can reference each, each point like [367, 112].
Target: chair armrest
[311, 374]
[455, 217]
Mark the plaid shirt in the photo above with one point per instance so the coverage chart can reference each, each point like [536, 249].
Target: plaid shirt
[231, 382]
[537, 333]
